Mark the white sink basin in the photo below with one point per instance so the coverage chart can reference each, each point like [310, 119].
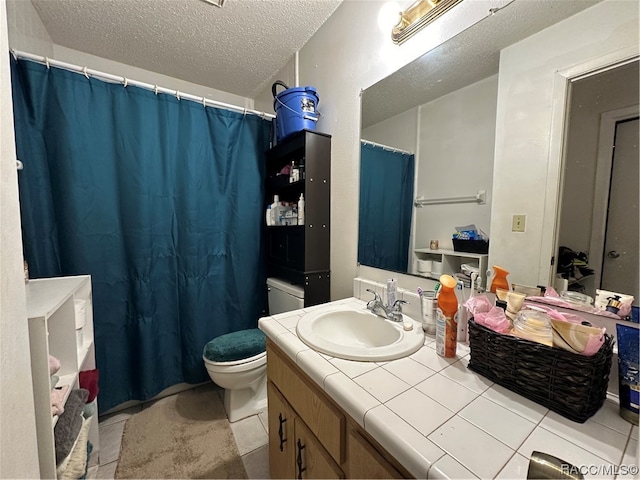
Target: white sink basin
[358, 334]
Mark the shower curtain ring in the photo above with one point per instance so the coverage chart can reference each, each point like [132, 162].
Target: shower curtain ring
[84, 70]
[126, 82]
[15, 55]
[204, 102]
[155, 89]
[46, 62]
[177, 94]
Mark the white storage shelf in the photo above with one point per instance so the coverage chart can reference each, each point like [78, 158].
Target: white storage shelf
[52, 320]
[451, 262]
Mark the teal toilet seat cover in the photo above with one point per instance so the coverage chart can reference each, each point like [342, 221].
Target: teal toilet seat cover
[234, 346]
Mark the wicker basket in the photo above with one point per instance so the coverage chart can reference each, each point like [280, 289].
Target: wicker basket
[575, 386]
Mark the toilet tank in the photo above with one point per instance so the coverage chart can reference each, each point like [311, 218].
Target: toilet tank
[284, 296]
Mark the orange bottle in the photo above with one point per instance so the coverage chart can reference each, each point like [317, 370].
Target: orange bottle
[499, 279]
[447, 326]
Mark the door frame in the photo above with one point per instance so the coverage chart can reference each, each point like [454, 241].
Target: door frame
[557, 149]
[608, 121]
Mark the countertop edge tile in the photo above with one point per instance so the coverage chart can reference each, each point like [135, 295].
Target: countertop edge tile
[354, 399]
[271, 327]
[412, 449]
[448, 468]
[291, 344]
[315, 365]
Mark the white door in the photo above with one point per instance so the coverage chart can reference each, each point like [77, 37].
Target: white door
[620, 256]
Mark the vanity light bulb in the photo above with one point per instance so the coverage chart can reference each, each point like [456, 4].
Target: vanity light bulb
[388, 16]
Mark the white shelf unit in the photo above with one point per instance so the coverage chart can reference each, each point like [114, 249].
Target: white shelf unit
[51, 315]
[451, 262]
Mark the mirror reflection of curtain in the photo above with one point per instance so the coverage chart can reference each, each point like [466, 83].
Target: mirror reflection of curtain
[160, 200]
[386, 204]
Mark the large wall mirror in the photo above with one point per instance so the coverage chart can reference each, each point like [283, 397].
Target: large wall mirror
[441, 109]
[598, 219]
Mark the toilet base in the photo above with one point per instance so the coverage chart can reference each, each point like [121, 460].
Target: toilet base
[244, 402]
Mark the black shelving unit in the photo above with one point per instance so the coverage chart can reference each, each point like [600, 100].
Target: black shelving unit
[300, 253]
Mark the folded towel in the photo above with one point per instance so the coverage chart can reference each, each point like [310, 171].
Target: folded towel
[577, 338]
[89, 380]
[89, 409]
[57, 400]
[74, 465]
[69, 424]
[54, 365]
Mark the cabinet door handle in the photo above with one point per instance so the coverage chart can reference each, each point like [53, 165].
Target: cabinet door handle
[280, 432]
[299, 460]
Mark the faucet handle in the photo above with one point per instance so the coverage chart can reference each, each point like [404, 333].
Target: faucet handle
[396, 311]
[397, 305]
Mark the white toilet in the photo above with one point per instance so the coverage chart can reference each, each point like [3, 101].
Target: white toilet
[237, 361]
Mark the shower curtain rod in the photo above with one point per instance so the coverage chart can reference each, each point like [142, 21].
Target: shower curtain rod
[88, 72]
[385, 147]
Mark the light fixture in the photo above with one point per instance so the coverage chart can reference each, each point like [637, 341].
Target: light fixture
[217, 3]
[418, 16]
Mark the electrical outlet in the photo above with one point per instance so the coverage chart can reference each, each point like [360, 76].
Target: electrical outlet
[518, 223]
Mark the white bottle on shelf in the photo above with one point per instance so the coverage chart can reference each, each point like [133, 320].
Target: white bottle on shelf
[301, 210]
[275, 210]
[268, 216]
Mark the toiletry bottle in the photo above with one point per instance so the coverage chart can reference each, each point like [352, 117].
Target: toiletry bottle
[391, 291]
[294, 176]
[301, 210]
[462, 335]
[275, 210]
[446, 326]
[499, 279]
[268, 216]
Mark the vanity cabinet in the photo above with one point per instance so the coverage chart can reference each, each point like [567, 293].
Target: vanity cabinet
[300, 253]
[310, 436]
[451, 261]
[52, 318]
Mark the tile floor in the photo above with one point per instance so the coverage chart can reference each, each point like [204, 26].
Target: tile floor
[250, 435]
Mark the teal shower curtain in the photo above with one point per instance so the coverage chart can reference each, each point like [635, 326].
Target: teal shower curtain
[386, 205]
[160, 200]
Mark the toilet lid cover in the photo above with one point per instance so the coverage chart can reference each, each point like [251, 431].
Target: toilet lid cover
[235, 346]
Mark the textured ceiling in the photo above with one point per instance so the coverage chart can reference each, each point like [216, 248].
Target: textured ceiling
[465, 59]
[236, 49]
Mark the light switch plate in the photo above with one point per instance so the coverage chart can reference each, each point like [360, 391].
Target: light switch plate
[518, 223]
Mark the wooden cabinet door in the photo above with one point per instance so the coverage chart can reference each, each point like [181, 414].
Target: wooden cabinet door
[311, 459]
[364, 460]
[281, 435]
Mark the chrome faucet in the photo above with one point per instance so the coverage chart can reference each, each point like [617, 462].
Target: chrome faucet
[390, 312]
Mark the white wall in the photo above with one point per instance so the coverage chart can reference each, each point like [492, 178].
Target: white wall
[82, 59]
[456, 144]
[264, 100]
[399, 132]
[529, 129]
[348, 53]
[26, 29]
[18, 448]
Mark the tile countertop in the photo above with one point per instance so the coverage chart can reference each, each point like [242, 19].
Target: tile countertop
[440, 420]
